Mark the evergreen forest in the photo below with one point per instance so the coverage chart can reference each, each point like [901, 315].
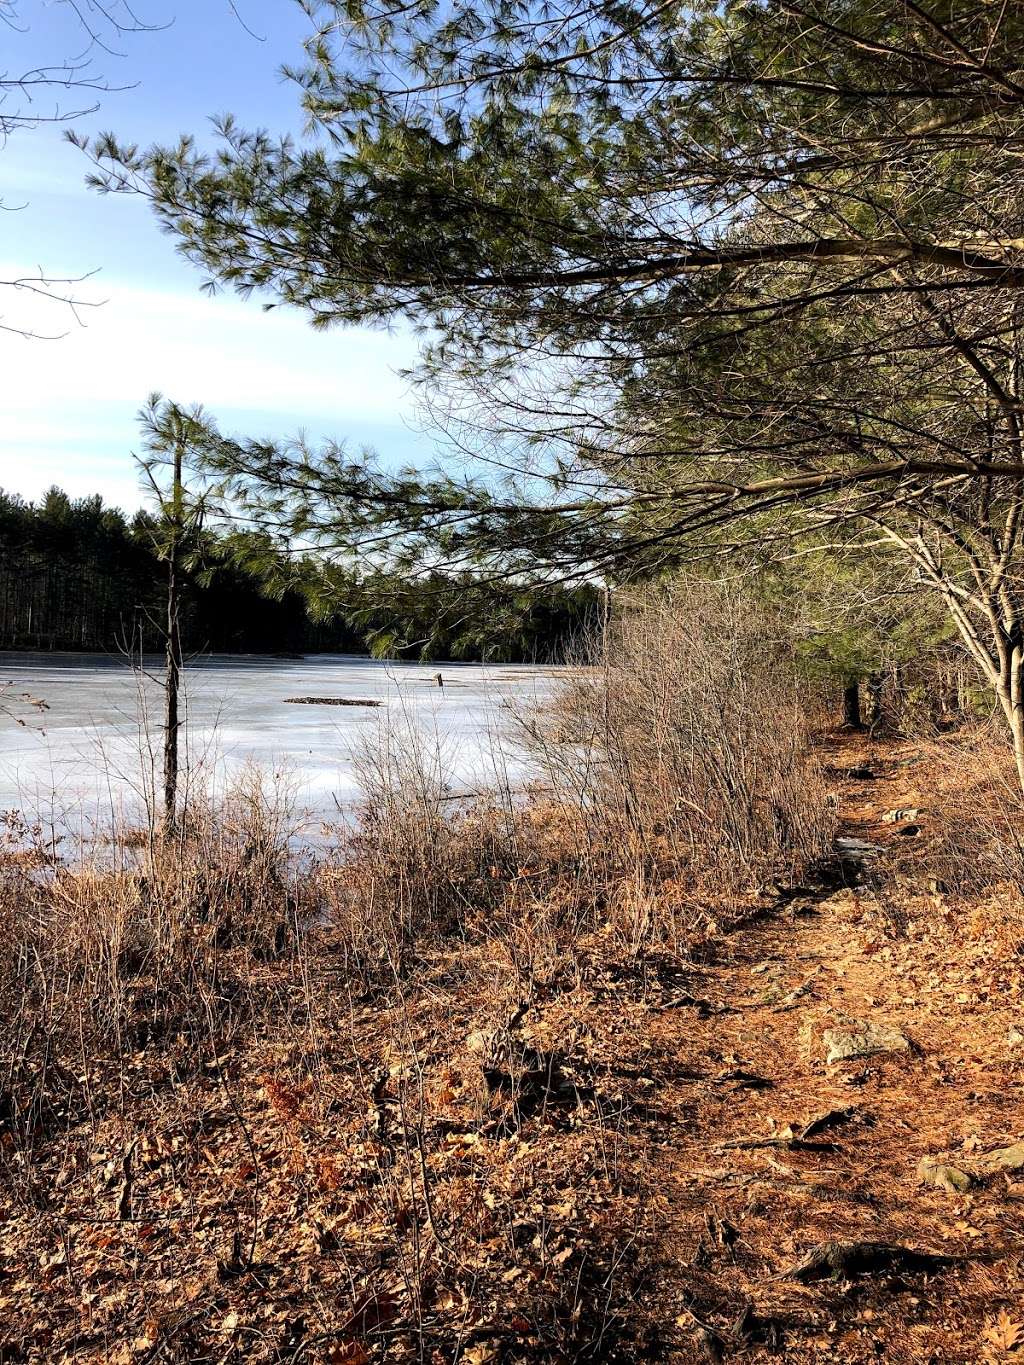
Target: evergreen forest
[78, 575]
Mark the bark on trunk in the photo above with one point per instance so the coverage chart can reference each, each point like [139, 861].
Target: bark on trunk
[172, 671]
[1015, 710]
[1017, 730]
[876, 707]
[851, 704]
[172, 683]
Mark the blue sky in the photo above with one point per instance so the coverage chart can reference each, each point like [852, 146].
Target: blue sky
[69, 404]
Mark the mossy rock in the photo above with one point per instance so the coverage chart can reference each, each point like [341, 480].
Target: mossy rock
[860, 1038]
[931, 1171]
[1009, 1159]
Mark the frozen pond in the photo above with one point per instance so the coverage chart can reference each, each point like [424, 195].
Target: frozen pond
[90, 760]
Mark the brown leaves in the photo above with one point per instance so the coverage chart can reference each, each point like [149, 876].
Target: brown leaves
[345, 1353]
[286, 1101]
[481, 1353]
[371, 1310]
[1005, 1334]
[522, 1205]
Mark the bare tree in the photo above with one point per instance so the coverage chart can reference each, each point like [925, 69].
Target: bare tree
[170, 434]
[57, 92]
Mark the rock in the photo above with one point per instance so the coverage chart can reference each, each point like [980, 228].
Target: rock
[852, 848]
[859, 1038]
[835, 1260]
[931, 1171]
[1015, 1036]
[896, 817]
[1009, 1159]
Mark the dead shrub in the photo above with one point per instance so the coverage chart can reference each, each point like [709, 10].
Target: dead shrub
[685, 748]
[678, 769]
[230, 865]
[421, 863]
[975, 848]
[158, 948]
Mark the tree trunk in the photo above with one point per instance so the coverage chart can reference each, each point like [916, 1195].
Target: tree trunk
[876, 708]
[851, 704]
[1017, 733]
[172, 683]
[1015, 710]
[172, 671]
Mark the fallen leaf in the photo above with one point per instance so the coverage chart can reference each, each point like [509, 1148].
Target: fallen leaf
[371, 1310]
[482, 1353]
[1005, 1334]
[346, 1353]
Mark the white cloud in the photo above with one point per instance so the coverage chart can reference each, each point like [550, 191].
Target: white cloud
[218, 351]
[69, 405]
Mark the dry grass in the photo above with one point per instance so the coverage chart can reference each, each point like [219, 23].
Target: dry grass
[512, 1143]
[458, 1111]
[684, 755]
[226, 1089]
[420, 865]
[150, 948]
[971, 849]
[398, 1105]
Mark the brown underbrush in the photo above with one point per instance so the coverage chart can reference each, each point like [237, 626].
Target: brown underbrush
[961, 838]
[685, 755]
[252, 1114]
[427, 1100]
[393, 1103]
[514, 1081]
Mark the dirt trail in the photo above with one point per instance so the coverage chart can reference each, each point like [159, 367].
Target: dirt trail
[545, 1149]
[742, 1198]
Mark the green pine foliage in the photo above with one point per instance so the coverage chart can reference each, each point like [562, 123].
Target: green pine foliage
[692, 280]
[78, 575]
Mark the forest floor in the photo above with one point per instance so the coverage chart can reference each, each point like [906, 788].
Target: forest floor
[594, 1155]
[784, 1152]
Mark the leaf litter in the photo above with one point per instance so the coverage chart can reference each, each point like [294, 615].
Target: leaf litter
[606, 1171]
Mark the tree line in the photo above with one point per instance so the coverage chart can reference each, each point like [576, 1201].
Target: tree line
[76, 574]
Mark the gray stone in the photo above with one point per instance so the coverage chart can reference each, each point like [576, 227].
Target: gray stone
[931, 1171]
[852, 848]
[860, 1038]
[1010, 1159]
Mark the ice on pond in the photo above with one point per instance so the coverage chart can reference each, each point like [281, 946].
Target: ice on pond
[91, 759]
